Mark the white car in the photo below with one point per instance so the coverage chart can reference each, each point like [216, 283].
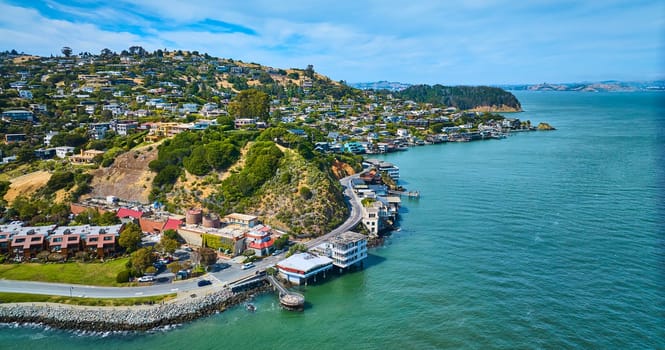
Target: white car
[247, 266]
[146, 279]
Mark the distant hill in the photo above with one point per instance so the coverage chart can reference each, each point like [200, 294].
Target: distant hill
[381, 85]
[602, 86]
[482, 98]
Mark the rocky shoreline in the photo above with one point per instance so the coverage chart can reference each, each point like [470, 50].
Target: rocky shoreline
[121, 319]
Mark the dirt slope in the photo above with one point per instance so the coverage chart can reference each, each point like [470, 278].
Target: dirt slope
[128, 178]
[27, 184]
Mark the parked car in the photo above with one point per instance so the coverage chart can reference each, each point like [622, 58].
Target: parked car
[202, 283]
[146, 278]
[247, 266]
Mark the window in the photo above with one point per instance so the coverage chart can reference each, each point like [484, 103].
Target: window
[108, 238]
[19, 240]
[57, 239]
[35, 239]
[92, 239]
[73, 238]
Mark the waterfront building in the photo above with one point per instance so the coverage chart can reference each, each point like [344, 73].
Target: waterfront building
[382, 166]
[298, 268]
[346, 249]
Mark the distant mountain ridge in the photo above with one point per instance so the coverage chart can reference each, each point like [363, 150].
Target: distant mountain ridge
[602, 86]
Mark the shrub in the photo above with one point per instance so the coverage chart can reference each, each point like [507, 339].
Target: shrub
[56, 257]
[305, 193]
[122, 277]
[43, 255]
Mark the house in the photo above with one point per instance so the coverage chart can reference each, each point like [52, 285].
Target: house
[14, 138]
[354, 147]
[43, 154]
[98, 130]
[260, 240]
[86, 157]
[125, 127]
[26, 94]
[63, 151]
[298, 268]
[29, 241]
[242, 220]
[374, 217]
[244, 122]
[48, 137]
[391, 169]
[103, 240]
[65, 241]
[129, 215]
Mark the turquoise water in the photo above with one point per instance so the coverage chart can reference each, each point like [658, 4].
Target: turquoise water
[542, 240]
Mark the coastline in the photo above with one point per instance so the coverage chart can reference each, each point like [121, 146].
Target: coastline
[122, 319]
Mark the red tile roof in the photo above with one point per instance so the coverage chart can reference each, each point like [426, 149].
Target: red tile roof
[262, 245]
[172, 224]
[125, 212]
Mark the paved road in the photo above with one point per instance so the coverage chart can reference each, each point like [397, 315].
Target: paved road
[220, 278]
[78, 290]
[354, 217]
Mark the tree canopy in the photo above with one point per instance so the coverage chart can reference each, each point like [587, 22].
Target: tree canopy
[250, 103]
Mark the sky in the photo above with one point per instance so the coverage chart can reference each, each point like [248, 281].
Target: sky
[469, 42]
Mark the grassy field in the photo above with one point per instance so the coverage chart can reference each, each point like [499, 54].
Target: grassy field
[36, 298]
[97, 274]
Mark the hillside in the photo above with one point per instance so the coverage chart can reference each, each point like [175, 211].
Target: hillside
[27, 184]
[128, 177]
[301, 197]
[481, 98]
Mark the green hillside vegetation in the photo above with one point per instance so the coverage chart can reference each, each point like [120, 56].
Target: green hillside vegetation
[461, 97]
[198, 152]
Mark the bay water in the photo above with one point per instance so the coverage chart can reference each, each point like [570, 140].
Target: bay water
[542, 240]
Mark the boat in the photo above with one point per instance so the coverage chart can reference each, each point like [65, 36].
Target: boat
[250, 307]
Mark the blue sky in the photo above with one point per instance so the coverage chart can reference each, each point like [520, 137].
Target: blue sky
[416, 41]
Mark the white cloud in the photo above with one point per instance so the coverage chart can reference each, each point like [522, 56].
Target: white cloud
[483, 41]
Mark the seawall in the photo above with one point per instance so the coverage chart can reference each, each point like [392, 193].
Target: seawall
[118, 319]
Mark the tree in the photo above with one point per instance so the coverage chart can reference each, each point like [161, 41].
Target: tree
[309, 72]
[171, 233]
[167, 245]
[208, 256]
[130, 237]
[250, 103]
[67, 51]
[175, 266]
[281, 241]
[142, 259]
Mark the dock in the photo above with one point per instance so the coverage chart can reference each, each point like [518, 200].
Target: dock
[289, 300]
[410, 194]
